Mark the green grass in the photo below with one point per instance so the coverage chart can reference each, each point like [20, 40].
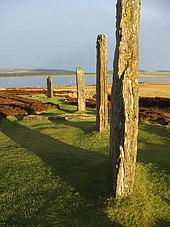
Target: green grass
[58, 173]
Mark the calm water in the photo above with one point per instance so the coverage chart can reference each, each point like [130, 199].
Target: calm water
[9, 82]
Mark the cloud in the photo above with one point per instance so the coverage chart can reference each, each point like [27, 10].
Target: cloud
[61, 34]
[154, 41]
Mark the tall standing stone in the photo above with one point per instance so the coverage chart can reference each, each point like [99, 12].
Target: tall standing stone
[101, 83]
[49, 87]
[81, 101]
[124, 119]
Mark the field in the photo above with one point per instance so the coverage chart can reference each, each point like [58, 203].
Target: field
[58, 173]
[158, 89]
[148, 89]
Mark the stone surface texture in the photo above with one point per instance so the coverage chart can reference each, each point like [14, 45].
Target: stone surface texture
[81, 102]
[49, 87]
[102, 84]
[58, 117]
[124, 118]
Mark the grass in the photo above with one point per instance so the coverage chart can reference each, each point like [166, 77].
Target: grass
[157, 89]
[58, 173]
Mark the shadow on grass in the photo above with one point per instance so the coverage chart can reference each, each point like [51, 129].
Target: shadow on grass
[161, 223]
[66, 107]
[81, 125]
[66, 110]
[153, 152]
[74, 165]
[156, 130]
[88, 172]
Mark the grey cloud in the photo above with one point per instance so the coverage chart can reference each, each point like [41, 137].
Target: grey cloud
[60, 34]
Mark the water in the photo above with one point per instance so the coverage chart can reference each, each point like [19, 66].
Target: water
[154, 79]
[10, 82]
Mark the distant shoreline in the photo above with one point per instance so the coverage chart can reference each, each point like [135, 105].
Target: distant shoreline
[146, 75]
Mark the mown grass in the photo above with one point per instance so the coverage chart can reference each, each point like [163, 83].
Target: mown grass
[58, 173]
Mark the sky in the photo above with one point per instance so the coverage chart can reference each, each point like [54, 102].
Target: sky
[61, 34]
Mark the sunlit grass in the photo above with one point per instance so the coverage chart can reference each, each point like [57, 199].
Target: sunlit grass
[58, 173]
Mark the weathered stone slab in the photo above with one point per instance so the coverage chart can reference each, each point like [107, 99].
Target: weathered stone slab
[81, 102]
[101, 84]
[124, 119]
[58, 117]
[49, 87]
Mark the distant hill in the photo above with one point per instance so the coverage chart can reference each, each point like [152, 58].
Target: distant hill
[167, 70]
[62, 72]
[13, 70]
[54, 71]
[143, 72]
[34, 72]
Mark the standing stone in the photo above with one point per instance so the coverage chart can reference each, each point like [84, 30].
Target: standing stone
[81, 101]
[49, 87]
[101, 84]
[124, 119]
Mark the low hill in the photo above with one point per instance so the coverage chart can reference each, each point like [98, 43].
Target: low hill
[34, 72]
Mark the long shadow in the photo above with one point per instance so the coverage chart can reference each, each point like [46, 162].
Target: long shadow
[154, 129]
[155, 153]
[65, 107]
[87, 172]
[81, 125]
[90, 173]
[161, 223]
[65, 110]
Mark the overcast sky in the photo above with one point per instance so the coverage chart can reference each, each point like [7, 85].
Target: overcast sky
[61, 34]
